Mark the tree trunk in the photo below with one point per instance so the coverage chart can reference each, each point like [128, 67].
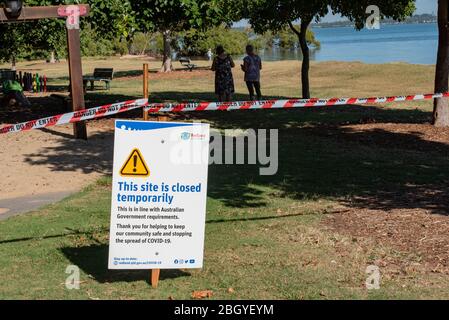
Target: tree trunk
[441, 105]
[302, 35]
[13, 63]
[144, 49]
[166, 63]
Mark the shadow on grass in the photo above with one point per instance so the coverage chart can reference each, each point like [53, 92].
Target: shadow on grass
[54, 236]
[128, 73]
[93, 260]
[181, 96]
[321, 156]
[214, 221]
[73, 232]
[371, 168]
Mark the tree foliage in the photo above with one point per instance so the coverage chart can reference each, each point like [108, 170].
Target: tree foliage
[108, 20]
[171, 16]
[195, 43]
[355, 10]
[176, 15]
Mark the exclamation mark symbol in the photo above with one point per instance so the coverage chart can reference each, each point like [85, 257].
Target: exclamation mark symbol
[135, 163]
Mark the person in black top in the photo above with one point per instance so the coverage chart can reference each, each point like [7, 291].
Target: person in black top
[224, 80]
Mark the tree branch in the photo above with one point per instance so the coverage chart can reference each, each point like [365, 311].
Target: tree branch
[294, 28]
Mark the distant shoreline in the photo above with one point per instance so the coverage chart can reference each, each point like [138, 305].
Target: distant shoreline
[348, 25]
[416, 19]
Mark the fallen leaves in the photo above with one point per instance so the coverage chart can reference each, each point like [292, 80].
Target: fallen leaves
[418, 239]
[202, 294]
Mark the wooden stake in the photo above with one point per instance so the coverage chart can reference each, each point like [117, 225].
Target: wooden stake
[145, 88]
[146, 95]
[155, 273]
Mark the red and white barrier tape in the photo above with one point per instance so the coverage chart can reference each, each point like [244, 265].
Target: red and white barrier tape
[107, 110]
[71, 117]
[281, 104]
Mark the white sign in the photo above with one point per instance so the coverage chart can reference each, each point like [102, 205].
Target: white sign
[159, 195]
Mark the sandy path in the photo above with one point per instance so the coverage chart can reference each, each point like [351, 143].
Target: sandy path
[50, 160]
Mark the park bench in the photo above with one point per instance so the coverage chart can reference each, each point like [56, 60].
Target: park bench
[186, 62]
[100, 74]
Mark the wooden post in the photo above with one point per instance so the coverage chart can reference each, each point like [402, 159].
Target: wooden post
[155, 273]
[76, 80]
[145, 88]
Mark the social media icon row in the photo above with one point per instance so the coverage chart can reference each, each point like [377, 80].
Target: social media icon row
[182, 261]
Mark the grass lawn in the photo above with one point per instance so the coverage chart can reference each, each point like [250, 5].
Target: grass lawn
[266, 237]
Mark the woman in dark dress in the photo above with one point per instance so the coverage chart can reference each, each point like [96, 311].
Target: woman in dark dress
[224, 80]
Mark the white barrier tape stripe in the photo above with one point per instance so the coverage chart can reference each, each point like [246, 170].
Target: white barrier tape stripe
[71, 117]
[111, 109]
[281, 104]
[64, 119]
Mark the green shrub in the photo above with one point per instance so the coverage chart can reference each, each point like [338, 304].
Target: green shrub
[140, 43]
[147, 43]
[121, 46]
[196, 43]
[93, 44]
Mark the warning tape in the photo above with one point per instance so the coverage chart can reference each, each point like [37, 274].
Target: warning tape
[111, 109]
[282, 104]
[71, 117]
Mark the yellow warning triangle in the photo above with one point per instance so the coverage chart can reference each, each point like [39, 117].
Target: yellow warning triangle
[135, 166]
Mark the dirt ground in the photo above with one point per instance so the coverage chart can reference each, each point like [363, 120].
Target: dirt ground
[415, 233]
[49, 160]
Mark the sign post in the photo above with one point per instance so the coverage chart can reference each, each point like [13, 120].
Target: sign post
[159, 193]
[145, 88]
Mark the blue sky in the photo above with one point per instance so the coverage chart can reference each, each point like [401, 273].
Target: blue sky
[426, 6]
[422, 6]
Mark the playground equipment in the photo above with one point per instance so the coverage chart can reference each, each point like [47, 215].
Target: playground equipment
[12, 90]
[13, 12]
[13, 8]
[32, 82]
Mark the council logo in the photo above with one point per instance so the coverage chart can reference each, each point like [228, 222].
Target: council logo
[185, 136]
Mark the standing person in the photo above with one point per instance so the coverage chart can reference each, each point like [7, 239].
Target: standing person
[224, 80]
[252, 64]
[209, 54]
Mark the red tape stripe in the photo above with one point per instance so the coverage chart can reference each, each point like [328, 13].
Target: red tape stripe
[94, 113]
